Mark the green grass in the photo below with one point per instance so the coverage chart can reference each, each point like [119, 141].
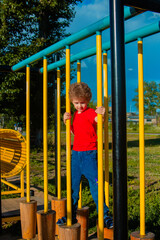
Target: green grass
[148, 128]
[152, 181]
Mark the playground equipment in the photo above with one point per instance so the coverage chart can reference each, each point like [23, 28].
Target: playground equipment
[82, 212]
[119, 119]
[70, 40]
[12, 158]
[58, 203]
[133, 36]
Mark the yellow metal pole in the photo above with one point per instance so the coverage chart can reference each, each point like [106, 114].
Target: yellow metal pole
[45, 132]
[28, 130]
[22, 183]
[78, 81]
[80, 196]
[68, 140]
[59, 133]
[106, 137]
[78, 71]
[141, 137]
[100, 137]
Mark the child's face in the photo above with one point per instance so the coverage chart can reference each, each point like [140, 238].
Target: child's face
[80, 104]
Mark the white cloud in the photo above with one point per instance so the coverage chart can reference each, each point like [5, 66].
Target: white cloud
[87, 14]
[141, 20]
[95, 10]
[83, 64]
[90, 11]
[135, 23]
[155, 15]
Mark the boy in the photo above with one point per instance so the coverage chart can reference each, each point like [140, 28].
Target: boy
[84, 153]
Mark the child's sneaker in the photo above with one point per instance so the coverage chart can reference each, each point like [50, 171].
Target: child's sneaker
[74, 220]
[108, 222]
[61, 221]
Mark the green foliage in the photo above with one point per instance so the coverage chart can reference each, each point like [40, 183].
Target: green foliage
[152, 183]
[92, 104]
[132, 127]
[26, 27]
[151, 98]
[37, 181]
[153, 212]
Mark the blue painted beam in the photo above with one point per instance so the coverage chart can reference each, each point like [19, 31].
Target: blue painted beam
[130, 37]
[84, 33]
[143, 32]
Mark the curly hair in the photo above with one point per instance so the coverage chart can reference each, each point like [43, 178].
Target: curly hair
[80, 90]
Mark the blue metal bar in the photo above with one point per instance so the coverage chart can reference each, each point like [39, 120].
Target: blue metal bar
[130, 37]
[82, 55]
[143, 32]
[84, 33]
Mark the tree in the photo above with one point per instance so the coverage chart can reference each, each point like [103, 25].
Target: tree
[27, 27]
[151, 98]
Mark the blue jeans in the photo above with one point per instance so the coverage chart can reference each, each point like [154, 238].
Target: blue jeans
[84, 163]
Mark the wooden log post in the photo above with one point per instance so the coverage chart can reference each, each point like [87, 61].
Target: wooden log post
[72, 232]
[148, 236]
[59, 206]
[83, 220]
[46, 225]
[108, 233]
[28, 219]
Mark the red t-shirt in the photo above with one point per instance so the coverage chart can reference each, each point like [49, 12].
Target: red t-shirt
[84, 129]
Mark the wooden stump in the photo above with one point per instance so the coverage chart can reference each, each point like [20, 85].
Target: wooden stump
[83, 219]
[59, 206]
[148, 236]
[46, 225]
[70, 232]
[28, 218]
[108, 233]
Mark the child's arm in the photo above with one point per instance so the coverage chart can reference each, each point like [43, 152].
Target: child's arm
[100, 110]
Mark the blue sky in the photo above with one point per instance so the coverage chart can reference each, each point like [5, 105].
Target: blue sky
[90, 11]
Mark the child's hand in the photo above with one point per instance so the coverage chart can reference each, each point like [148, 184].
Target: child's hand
[100, 110]
[66, 116]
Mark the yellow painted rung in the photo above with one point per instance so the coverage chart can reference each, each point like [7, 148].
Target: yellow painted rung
[10, 192]
[10, 184]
